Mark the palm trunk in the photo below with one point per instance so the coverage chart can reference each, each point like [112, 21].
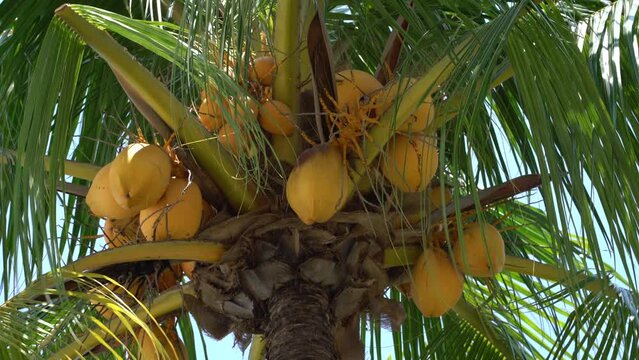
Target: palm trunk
[300, 324]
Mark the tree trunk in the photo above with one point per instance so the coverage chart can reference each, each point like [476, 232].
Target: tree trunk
[300, 324]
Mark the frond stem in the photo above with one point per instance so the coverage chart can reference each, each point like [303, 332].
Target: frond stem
[286, 44]
[72, 168]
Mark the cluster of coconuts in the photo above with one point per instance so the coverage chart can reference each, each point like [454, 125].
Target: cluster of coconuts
[320, 184]
[437, 279]
[142, 198]
[274, 116]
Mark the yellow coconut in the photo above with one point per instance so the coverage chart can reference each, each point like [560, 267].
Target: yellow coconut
[168, 277]
[237, 111]
[435, 197]
[205, 93]
[139, 176]
[228, 138]
[275, 117]
[210, 114]
[319, 185]
[420, 119]
[122, 232]
[208, 211]
[188, 267]
[480, 253]
[173, 346]
[100, 199]
[351, 85]
[436, 286]
[410, 163]
[263, 70]
[176, 215]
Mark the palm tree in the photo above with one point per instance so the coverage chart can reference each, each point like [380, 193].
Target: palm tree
[312, 235]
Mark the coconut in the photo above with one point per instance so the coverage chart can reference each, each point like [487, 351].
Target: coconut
[275, 117]
[237, 111]
[263, 70]
[420, 118]
[435, 197]
[228, 138]
[319, 185]
[168, 277]
[208, 211]
[410, 163]
[188, 267]
[122, 232]
[170, 342]
[210, 114]
[139, 176]
[100, 199]
[480, 253]
[176, 215]
[436, 286]
[351, 85]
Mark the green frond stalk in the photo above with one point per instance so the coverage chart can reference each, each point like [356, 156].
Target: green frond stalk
[215, 161]
[76, 169]
[556, 274]
[203, 251]
[258, 348]
[166, 303]
[287, 52]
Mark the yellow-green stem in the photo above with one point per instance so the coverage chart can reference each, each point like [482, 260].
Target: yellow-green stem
[258, 348]
[213, 159]
[72, 168]
[166, 303]
[203, 251]
[286, 45]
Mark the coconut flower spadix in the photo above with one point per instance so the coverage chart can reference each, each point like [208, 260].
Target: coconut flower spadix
[319, 184]
[100, 198]
[351, 85]
[436, 286]
[410, 163]
[480, 254]
[275, 117]
[176, 215]
[139, 176]
[263, 70]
